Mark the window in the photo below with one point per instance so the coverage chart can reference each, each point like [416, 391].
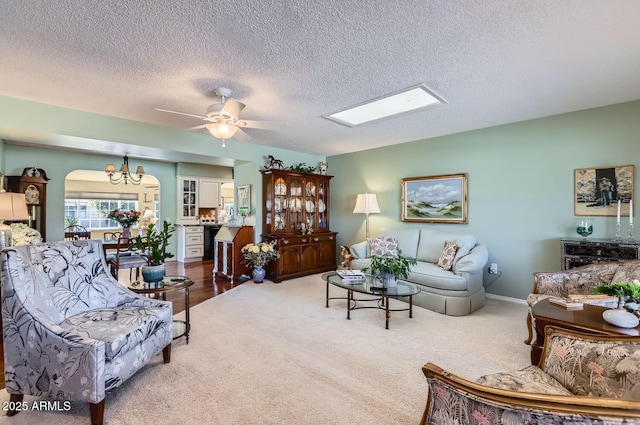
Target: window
[92, 213]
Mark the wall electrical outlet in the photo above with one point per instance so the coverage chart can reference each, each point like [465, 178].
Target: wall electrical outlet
[494, 268]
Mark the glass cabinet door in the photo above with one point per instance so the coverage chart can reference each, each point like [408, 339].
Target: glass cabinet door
[296, 204]
[310, 204]
[280, 191]
[322, 207]
[189, 198]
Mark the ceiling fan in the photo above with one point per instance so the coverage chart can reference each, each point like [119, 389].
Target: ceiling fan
[223, 117]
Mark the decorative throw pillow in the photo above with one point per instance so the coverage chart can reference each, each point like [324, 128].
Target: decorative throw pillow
[383, 245]
[627, 273]
[448, 255]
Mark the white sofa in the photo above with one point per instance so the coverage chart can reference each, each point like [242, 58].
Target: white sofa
[455, 292]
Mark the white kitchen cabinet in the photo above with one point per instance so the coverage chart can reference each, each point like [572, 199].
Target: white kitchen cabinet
[187, 200]
[208, 193]
[190, 243]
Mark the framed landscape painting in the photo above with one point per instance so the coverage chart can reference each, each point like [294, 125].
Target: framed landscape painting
[435, 199]
[597, 190]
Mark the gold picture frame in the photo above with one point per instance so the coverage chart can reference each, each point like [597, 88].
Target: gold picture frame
[435, 199]
[596, 191]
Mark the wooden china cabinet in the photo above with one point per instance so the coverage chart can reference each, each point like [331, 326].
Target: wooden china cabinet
[296, 218]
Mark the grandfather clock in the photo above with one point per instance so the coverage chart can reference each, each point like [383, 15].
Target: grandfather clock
[33, 183]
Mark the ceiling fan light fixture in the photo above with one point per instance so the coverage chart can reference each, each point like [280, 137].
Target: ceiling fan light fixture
[222, 130]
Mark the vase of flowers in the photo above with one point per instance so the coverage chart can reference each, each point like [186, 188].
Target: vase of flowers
[126, 219]
[257, 256]
[22, 234]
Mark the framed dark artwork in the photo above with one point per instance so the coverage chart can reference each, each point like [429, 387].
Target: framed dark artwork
[597, 190]
[435, 199]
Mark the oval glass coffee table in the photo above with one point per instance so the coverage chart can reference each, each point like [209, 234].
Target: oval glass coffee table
[159, 289]
[381, 296]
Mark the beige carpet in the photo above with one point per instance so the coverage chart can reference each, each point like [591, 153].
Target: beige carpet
[273, 354]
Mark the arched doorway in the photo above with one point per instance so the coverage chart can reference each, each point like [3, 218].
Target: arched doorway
[89, 196]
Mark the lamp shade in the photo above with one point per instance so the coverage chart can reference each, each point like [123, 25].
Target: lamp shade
[366, 203]
[13, 206]
[147, 213]
[222, 130]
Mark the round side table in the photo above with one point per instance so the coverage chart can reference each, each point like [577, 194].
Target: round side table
[159, 289]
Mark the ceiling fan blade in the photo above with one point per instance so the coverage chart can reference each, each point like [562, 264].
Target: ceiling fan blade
[232, 108]
[264, 125]
[241, 136]
[197, 127]
[181, 113]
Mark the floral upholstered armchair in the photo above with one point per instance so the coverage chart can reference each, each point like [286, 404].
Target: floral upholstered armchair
[579, 281]
[582, 379]
[72, 332]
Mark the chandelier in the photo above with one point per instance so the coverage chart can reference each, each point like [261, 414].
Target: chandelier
[125, 175]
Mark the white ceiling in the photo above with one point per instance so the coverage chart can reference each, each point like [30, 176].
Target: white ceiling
[494, 61]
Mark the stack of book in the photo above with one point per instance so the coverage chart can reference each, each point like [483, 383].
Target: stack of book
[586, 298]
[351, 276]
[568, 304]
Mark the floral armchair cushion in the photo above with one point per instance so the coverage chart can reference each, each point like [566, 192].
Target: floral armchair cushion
[580, 280]
[583, 380]
[594, 366]
[531, 380]
[628, 272]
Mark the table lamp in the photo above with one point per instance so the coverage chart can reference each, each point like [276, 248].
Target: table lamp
[13, 207]
[366, 203]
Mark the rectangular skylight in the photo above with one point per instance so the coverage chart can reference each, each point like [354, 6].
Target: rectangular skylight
[409, 99]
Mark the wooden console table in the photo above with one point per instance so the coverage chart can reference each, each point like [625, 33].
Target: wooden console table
[587, 320]
[576, 252]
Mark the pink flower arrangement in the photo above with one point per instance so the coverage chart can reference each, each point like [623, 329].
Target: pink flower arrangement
[124, 218]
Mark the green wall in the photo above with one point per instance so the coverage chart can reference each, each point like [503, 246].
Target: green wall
[81, 133]
[520, 185]
[58, 164]
[520, 176]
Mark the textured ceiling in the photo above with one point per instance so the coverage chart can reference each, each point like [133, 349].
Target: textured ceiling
[494, 61]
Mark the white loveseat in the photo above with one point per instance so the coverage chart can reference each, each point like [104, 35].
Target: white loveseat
[455, 292]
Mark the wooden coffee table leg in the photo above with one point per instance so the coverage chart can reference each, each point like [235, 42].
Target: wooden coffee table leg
[349, 298]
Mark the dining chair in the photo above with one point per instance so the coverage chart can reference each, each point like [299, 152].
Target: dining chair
[76, 232]
[112, 235]
[125, 258]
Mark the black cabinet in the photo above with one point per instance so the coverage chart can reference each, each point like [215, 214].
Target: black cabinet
[210, 232]
[578, 252]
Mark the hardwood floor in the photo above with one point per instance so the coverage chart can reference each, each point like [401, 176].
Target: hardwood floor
[204, 287]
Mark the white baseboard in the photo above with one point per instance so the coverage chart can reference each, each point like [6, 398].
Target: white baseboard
[507, 299]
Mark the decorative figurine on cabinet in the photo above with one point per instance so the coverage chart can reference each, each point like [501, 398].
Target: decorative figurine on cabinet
[323, 168]
[273, 163]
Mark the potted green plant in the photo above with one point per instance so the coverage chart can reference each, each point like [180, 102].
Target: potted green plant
[153, 248]
[626, 292]
[390, 267]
